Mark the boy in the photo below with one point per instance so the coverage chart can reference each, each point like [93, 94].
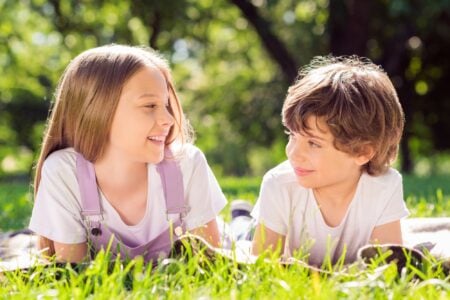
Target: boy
[336, 192]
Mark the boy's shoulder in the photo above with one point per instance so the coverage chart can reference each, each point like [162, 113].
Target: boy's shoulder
[384, 182]
[390, 177]
[282, 174]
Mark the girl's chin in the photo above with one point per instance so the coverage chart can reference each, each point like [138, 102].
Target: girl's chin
[156, 158]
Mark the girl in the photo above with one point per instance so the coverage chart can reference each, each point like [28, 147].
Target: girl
[115, 165]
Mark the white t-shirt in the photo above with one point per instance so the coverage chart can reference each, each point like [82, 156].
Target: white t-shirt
[56, 212]
[284, 206]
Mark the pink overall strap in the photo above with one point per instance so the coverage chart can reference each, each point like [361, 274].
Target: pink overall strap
[172, 182]
[90, 204]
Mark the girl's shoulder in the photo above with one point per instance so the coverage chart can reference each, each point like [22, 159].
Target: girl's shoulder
[62, 159]
[188, 155]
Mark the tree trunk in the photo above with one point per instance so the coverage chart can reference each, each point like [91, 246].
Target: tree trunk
[395, 61]
[348, 26]
[271, 42]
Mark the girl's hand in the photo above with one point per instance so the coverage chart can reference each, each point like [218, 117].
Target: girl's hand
[210, 232]
[266, 239]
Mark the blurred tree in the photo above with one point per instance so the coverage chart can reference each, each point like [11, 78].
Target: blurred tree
[232, 60]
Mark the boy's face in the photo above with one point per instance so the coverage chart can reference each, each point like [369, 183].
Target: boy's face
[316, 162]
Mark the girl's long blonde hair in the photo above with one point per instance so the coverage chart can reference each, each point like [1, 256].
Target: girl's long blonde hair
[86, 100]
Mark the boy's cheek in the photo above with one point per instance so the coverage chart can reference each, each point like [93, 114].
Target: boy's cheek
[288, 150]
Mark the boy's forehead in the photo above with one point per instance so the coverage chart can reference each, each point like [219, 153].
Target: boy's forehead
[314, 125]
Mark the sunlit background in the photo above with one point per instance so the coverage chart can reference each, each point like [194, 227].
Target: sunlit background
[232, 62]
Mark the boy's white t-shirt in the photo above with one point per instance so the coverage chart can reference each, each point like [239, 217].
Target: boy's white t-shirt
[56, 212]
[287, 208]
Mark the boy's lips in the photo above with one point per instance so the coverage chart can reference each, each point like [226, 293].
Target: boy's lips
[302, 172]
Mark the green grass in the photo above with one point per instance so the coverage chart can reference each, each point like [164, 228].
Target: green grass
[199, 278]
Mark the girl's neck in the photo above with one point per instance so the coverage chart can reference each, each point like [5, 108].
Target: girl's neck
[117, 171]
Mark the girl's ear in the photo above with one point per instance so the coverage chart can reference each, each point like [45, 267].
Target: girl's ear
[366, 154]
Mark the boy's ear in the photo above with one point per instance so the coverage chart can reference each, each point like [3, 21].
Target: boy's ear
[365, 155]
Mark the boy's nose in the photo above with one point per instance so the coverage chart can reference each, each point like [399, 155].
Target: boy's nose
[295, 151]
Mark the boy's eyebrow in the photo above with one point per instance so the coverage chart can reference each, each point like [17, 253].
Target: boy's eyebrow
[314, 136]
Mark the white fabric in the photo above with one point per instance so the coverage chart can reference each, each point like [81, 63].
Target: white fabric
[284, 206]
[56, 212]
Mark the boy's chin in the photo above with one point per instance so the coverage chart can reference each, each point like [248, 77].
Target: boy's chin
[305, 184]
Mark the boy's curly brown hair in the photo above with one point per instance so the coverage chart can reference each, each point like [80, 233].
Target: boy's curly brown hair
[358, 103]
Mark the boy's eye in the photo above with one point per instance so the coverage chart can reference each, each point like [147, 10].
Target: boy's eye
[314, 144]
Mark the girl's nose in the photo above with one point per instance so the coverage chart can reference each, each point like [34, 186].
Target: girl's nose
[165, 118]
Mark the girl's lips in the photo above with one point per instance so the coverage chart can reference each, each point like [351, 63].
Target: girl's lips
[156, 142]
[302, 172]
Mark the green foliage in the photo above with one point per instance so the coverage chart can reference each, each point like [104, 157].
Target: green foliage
[15, 206]
[231, 87]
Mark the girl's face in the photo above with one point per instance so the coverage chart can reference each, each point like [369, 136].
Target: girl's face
[142, 121]
[316, 162]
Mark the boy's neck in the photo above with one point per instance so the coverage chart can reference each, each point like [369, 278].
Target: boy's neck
[339, 194]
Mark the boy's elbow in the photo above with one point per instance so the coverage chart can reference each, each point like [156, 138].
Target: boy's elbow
[267, 240]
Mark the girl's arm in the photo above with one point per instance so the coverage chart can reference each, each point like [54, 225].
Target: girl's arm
[74, 253]
[390, 233]
[210, 232]
[266, 239]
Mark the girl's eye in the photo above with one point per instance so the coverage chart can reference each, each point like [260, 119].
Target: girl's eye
[151, 106]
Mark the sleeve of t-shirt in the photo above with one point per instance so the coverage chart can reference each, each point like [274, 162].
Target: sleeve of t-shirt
[395, 207]
[204, 194]
[270, 209]
[56, 211]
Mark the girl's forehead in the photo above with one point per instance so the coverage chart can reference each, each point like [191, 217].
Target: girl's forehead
[147, 80]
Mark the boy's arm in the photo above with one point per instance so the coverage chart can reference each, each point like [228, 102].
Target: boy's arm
[266, 239]
[389, 233]
[210, 232]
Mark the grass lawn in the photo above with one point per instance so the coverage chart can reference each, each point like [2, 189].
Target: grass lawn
[198, 278]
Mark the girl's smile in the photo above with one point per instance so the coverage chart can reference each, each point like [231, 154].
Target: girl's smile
[158, 139]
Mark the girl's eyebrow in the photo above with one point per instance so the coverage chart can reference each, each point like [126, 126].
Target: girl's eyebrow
[145, 95]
